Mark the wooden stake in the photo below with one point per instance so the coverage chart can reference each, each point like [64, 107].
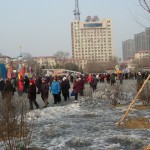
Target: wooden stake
[133, 101]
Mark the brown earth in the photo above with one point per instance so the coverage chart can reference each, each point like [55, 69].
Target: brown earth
[146, 148]
[141, 107]
[136, 123]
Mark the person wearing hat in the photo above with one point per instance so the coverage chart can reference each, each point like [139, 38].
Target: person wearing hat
[139, 81]
[32, 95]
[44, 91]
[65, 86]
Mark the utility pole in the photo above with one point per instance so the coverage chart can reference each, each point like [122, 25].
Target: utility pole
[76, 11]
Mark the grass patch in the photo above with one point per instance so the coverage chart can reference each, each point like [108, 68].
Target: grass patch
[136, 123]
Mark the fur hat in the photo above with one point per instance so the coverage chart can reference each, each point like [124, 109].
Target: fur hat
[64, 78]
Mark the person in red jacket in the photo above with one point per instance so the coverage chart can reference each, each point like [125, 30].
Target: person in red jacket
[89, 79]
[20, 86]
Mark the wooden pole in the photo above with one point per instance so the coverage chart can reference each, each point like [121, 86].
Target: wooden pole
[133, 101]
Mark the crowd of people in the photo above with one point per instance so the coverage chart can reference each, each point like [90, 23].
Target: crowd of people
[59, 86]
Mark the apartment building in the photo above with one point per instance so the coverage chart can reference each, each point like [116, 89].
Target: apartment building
[142, 54]
[128, 48]
[92, 39]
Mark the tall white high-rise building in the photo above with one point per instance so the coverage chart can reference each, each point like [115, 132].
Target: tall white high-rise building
[92, 39]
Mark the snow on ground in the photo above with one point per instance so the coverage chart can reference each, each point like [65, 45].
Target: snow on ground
[89, 124]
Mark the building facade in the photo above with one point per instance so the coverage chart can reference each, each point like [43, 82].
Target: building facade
[147, 34]
[142, 54]
[128, 48]
[92, 39]
[140, 41]
[45, 61]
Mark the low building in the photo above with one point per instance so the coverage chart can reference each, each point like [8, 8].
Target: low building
[142, 54]
[45, 61]
[5, 59]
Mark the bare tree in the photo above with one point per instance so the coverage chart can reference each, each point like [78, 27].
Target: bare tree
[61, 55]
[14, 129]
[141, 63]
[112, 62]
[93, 67]
[145, 4]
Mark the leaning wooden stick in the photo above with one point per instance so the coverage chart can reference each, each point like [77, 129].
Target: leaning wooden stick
[133, 101]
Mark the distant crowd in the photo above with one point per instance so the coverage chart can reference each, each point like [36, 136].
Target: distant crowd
[59, 86]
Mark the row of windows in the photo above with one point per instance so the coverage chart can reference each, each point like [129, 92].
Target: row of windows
[93, 52]
[100, 56]
[91, 31]
[93, 36]
[92, 39]
[93, 48]
[92, 44]
[93, 59]
[85, 42]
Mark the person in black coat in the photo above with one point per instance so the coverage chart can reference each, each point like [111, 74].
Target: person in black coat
[2, 84]
[8, 90]
[26, 84]
[45, 92]
[32, 95]
[65, 86]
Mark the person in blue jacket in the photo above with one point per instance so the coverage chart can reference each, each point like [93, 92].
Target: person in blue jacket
[55, 90]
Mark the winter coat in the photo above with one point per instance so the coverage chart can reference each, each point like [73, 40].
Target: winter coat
[55, 87]
[76, 86]
[26, 82]
[2, 84]
[39, 82]
[89, 79]
[139, 79]
[65, 86]
[81, 84]
[94, 81]
[44, 90]
[32, 92]
[20, 85]
[112, 77]
[8, 90]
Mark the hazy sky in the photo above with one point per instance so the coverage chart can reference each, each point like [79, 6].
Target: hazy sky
[43, 27]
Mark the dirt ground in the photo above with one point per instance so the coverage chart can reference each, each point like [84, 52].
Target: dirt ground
[141, 107]
[147, 147]
[138, 123]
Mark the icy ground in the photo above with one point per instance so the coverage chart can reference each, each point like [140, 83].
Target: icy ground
[89, 124]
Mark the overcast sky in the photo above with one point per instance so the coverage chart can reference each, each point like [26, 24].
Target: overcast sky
[43, 27]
